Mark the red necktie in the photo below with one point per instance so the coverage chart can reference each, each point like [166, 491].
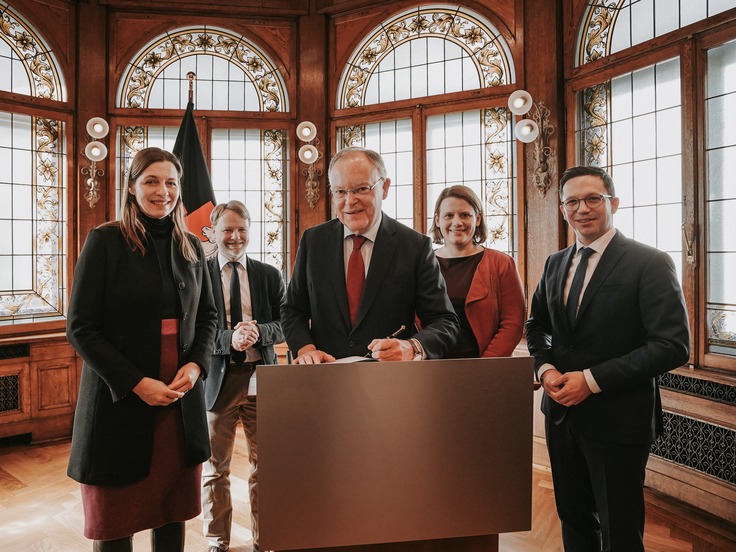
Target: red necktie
[356, 276]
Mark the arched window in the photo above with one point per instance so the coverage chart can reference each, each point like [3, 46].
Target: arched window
[427, 53]
[660, 127]
[33, 249]
[248, 162]
[611, 26]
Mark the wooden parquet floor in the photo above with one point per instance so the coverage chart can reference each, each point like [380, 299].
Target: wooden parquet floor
[41, 511]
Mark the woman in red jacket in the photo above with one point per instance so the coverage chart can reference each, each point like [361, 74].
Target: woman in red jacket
[483, 284]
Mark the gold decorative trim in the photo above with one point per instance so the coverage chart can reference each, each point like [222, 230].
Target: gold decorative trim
[43, 76]
[165, 50]
[477, 39]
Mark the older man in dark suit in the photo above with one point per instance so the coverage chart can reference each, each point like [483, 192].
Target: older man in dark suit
[248, 295]
[362, 277]
[607, 318]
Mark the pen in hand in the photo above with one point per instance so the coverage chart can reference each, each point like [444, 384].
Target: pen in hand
[397, 332]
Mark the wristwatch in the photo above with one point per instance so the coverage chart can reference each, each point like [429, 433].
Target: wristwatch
[416, 349]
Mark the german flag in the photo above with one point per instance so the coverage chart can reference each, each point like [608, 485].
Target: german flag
[196, 186]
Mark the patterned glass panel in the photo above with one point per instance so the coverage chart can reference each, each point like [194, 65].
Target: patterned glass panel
[393, 140]
[247, 165]
[424, 52]
[476, 148]
[720, 106]
[231, 74]
[250, 166]
[32, 219]
[611, 26]
[631, 126]
[26, 64]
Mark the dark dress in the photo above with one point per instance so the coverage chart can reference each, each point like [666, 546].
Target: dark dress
[458, 273]
[171, 491]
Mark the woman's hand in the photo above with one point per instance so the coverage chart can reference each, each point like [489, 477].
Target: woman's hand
[154, 393]
[185, 378]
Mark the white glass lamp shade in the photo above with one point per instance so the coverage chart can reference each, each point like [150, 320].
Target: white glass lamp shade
[97, 127]
[95, 151]
[306, 131]
[520, 102]
[308, 154]
[526, 131]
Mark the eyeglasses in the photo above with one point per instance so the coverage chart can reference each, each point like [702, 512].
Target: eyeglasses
[592, 201]
[359, 191]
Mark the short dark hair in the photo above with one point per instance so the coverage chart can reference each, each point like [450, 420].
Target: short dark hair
[233, 205]
[574, 172]
[460, 192]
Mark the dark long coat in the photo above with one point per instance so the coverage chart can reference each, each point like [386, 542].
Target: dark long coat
[114, 323]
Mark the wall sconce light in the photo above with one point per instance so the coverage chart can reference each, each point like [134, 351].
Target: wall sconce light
[309, 155]
[537, 130]
[95, 151]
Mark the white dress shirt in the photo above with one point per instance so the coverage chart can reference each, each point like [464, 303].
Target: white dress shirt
[252, 354]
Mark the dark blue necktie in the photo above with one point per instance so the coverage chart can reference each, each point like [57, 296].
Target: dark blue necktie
[577, 286]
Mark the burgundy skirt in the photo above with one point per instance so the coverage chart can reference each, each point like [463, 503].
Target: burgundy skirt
[170, 492]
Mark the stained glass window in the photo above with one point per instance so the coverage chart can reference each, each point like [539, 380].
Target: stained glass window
[231, 75]
[422, 53]
[720, 200]
[611, 26]
[631, 126]
[425, 52]
[32, 181]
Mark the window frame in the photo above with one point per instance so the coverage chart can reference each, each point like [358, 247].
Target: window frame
[689, 44]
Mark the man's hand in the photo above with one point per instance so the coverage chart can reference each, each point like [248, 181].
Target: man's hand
[185, 378]
[246, 334]
[567, 389]
[310, 355]
[155, 393]
[391, 349]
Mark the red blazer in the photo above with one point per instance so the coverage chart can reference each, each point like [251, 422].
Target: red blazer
[495, 305]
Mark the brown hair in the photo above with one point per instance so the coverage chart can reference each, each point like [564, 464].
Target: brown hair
[460, 192]
[233, 205]
[130, 218]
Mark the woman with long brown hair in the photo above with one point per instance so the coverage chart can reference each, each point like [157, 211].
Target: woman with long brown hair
[142, 317]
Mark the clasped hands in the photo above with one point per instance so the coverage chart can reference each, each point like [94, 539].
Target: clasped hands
[156, 393]
[567, 389]
[381, 349]
[246, 335]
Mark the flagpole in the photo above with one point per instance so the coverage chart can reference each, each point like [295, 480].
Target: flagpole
[190, 76]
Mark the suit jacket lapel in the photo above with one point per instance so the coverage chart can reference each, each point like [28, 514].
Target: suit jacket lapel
[217, 293]
[336, 259]
[562, 271]
[382, 257]
[254, 286]
[611, 256]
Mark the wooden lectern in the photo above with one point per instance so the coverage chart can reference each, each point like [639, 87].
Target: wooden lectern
[394, 456]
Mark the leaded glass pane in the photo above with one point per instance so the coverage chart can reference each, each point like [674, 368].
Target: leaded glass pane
[643, 154]
[231, 75]
[393, 140]
[251, 167]
[455, 49]
[478, 153]
[611, 26]
[720, 106]
[32, 219]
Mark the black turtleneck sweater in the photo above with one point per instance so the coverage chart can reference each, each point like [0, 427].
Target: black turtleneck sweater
[161, 231]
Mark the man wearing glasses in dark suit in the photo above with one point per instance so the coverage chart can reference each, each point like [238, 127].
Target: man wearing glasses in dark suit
[607, 318]
[363, 276]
